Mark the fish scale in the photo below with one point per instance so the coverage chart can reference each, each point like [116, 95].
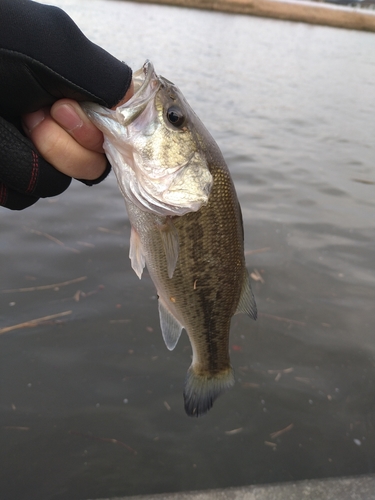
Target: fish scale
[193, 247]
[211, 257]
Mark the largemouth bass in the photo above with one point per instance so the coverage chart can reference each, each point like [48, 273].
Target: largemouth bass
[186, 225]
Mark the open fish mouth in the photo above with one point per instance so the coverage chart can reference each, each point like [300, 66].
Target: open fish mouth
[146, 84]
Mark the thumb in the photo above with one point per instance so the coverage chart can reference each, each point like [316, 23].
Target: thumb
[74, 151]
[73, 119]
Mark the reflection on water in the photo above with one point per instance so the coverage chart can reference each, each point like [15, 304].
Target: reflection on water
[91, 402]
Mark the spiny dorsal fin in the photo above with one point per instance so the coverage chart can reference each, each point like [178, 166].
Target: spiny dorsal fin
[247, 303]
[136, 253]
[170, 327]
[169, 238]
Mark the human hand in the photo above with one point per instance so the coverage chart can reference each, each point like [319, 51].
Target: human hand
[47, 66]
[67, 139]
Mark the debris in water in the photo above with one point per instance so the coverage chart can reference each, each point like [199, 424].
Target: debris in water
[234, 431]
[279, 373]
[256, 276]
[34, 322]
[276, 434]
[104, 440]
[106, 230]
[55, 240]
[18, 428]
[252, 385]
[270, 444]
[364, 181]
[281, 318]
[44, 287]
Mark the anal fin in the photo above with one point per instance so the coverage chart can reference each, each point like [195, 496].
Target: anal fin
[170, 327]
[247, 303]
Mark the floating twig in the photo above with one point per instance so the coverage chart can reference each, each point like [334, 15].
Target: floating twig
[113, 321]
[279, 373]
[104, 440]
[304, 380]
[250, 385]
[16, 428]
[85, 244]
[364, 181]
[276, 434]
[83, 295]
[106, 230]
[270, 444]
[55, 240]
[44, 287]
[256, 276]
[33, 322]
[281, 318]
[234, 431]
[285, 370]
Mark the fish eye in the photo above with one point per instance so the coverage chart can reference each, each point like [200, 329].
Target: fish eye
[175, 116]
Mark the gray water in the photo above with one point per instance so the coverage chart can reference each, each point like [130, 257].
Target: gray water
[91, 402]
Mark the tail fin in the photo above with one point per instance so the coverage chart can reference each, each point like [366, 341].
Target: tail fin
[202, 390]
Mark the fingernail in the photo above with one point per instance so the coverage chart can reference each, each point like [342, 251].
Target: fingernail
[33, 119]
[67, 117]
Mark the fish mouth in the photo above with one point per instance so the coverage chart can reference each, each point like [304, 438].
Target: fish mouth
[142, 77]
[146, 85]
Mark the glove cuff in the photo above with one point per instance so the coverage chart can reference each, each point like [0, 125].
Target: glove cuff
[99, 179]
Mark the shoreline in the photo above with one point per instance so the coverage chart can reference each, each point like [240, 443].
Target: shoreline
[297, 11]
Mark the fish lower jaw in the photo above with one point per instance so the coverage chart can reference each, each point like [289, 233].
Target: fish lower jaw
[203, 388]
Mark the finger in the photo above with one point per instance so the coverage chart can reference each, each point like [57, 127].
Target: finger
[71, 117]
[61, 150]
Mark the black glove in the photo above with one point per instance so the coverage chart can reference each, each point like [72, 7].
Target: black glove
[45, 57]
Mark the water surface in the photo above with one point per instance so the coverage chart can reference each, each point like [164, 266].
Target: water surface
[91, 403]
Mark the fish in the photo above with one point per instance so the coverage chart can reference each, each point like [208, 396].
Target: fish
[186, 225]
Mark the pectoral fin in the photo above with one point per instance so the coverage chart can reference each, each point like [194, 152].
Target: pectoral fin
[169, 238]
[170, 327]
[247, 303]
[136, 253]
